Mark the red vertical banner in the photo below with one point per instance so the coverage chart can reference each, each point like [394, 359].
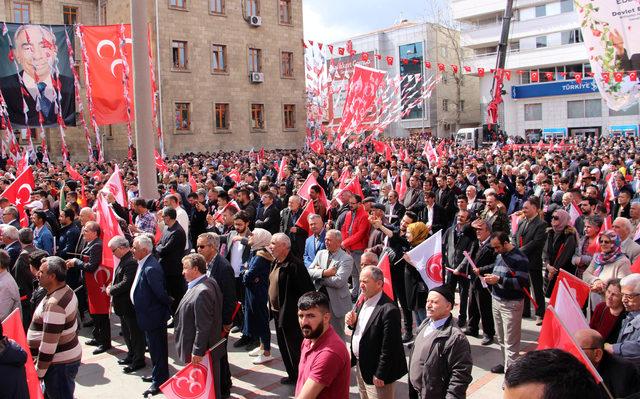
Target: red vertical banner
[361, 93]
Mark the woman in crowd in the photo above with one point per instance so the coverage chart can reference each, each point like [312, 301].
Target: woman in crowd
[414, 285]
[256, 282]
[588, 245]
[607, 264]
[562, 240]
[608, 315]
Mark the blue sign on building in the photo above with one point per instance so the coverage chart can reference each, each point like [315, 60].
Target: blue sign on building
[561, 88]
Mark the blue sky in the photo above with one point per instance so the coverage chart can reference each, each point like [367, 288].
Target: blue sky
[330, 20]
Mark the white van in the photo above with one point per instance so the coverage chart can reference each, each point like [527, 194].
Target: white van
[468, 136]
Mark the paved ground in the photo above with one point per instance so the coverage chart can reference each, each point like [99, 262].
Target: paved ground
[101, 376]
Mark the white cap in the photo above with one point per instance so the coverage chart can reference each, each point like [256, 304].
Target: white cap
[35, 205]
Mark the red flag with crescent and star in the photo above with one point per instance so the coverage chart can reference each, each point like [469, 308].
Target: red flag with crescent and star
[105, 66]
[19, 193]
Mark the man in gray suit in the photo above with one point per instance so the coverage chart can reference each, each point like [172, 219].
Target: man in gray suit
[194, 336]
[330, 271]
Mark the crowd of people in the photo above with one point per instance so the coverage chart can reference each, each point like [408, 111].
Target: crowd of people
[238, 239]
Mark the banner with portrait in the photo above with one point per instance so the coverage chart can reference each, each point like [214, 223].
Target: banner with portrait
[611, 29]
[35, 75]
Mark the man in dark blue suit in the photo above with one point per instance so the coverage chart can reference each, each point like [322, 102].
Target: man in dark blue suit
[152, 306]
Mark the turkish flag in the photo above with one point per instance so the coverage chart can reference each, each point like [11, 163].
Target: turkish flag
[454, 68]
[389, 60]
[303, 222]
[105, 66]
[98, 281]
[195, 381]
[578, 77]
[235, 175]
[317, 147]
[303, 191]
[192, 183]
[379, 146]
[341, 50]
[114, 186]
[401, 186]
[548, 75]
[441, 67]
[467, 68]
[160, 165]
[12, 327]
[385, 266]
[617, 76]
[344, 177]
[283, 164]
[633, 75]
[534, 76]
[554, 335]
[480, 72]
[578, 288]
[354, 187]
[427, 64]
[19, 193]
[507, 75]
[365, 57]
[605, 77]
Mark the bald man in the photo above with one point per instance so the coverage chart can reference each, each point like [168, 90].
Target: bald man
[619, 375]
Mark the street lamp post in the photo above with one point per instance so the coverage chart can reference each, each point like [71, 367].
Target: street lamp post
[145, 140]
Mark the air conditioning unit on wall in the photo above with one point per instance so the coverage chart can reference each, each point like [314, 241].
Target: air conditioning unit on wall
[256, 77]
[255, 20]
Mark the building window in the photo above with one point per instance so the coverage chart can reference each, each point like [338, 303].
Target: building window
[571, 36]
[533, 112]
[252, 7]
[219, 58]
[633, 110]
[461, 105]
[541, 41]
[222, 116]
[289, 111]
[70, 15]
[445, 105]
[285, 12]
[255, 60]
[541, 11]
[183, 117]
[287, 64]
[182, 4]
[179, 51]
[566, 6]
[257, 116]
[21, 12]
[216, 6]
[584, 109]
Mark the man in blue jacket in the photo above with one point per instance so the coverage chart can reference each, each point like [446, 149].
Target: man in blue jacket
[152, 306]
[315, 242]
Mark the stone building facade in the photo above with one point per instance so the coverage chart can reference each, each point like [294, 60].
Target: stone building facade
[230, 72]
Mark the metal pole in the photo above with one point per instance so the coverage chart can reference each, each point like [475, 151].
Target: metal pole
[145, 139]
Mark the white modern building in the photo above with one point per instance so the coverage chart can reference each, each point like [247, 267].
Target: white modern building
[418, 42]
[544, 37]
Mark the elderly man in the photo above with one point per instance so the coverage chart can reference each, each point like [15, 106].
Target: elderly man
[288, 281]
[152, 305]
[10, 239]
[376, 342]
[91, 260]
[9, 292]
[221, 271]
[624, 228]
[198, 318]
[628, 345]
[440, 362]
[119, 291]
[11, 217]
[315, 242]
[330, 271]
[53, 333]
[36, 52]
[619, 376]
[288, 219]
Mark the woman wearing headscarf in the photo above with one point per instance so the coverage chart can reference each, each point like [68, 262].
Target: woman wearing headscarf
[415, 287]
[588, 244]
[607, 264]
[256, 282]
[559, 248]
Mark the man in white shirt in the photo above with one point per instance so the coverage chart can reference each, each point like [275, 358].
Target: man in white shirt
[181, 215]
[376, 325]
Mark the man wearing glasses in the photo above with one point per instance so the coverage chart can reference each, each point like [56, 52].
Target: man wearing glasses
[628, 345]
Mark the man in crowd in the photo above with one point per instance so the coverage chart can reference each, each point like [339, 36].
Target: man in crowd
[288, 281]
[316, 241]
[145, 220]
[23, 276]
[628, 344]
[42, 237]
[324, 361]
[330, 271]
[182, 217]
[11, 243]
[508, 281]
[376, 330]
[120, 292]
[199, 317]
[439, 370]
[152, 305]
[624, 228]
[220, 270]
[88, 264]
[288, 219]
[268, 216]
[529, 239]
[169, 251]
[394, 210]
[355, 235]
[53, 333]
[238, 255]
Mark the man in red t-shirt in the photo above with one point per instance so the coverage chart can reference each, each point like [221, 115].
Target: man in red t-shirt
[325, 366]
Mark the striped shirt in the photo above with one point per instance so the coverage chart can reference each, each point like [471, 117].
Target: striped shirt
[513, 270]
[53, 333]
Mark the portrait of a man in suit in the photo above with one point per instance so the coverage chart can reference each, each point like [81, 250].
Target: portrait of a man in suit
[43, 90]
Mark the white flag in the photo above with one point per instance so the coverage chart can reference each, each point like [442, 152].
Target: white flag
[574, 214]
[427, 258]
